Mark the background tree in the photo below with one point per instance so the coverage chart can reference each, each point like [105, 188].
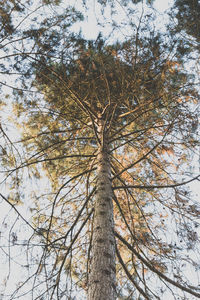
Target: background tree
[185, 26]
[135, 101]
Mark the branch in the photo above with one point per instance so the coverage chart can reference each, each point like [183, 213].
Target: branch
[155, 186]
[68, 250]
[59, 191]
[13, 206]
[130, 276]
[76, 220]
[153, 269]
[144, 156]
[51, 159]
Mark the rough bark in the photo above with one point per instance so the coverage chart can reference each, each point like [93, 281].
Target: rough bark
[102, 278]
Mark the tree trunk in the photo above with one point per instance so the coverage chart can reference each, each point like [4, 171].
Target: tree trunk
[102, 278]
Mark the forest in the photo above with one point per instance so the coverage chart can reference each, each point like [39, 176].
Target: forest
[99, 150]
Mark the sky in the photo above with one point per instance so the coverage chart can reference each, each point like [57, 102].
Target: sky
[90, 28]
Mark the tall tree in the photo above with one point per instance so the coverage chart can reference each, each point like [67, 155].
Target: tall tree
[111, 127]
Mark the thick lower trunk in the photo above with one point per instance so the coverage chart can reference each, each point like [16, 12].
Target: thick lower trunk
[102, 278]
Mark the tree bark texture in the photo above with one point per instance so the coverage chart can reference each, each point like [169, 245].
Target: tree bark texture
[102, 277]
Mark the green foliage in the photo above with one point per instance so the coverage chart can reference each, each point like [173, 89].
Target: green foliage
[186, 16]
[6, 8]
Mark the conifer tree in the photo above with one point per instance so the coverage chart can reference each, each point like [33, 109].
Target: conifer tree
[110, 129]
